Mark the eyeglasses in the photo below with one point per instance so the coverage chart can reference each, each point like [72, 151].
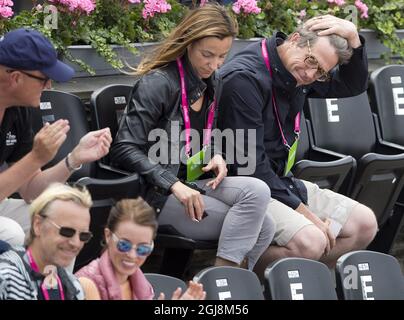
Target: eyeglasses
[67, 232]
[311, 62]
[142, 249]
[43, 80]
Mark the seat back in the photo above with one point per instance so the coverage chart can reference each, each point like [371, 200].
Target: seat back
[57, 105]
[230, 283]
[387, 101]
[343, 125]
[104, 194]
[325, 170]
[299, 279]
[346, 126]
[106, 107]
[165, 284]
[369, 275]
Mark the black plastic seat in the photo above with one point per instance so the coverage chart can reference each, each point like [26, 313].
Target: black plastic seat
[369, 275]
[230, 283]
[57, 105]
[299, 279]
[325, 168]
[106, 107]
[386, 91]
[346, 126]
[165, 284]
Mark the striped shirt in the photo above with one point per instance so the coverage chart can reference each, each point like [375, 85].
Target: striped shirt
[16, 283]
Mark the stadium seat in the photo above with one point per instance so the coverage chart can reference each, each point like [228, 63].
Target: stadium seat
[347, 126]
[106, 107]
[230, 283]
[369, 275]
[386, 92]
[165, 284]
[325, 168]
[57, 105]
[299, 279]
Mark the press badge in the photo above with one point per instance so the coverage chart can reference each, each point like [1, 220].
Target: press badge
[194, 166]
[291, 157]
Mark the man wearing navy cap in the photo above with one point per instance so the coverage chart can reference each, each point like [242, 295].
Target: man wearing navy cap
[28, 63]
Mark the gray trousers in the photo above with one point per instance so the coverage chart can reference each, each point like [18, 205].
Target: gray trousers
[236, 217]
[15, 221]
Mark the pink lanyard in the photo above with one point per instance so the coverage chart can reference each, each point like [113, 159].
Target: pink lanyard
[297, 119]
[45, 292]
[187, 122]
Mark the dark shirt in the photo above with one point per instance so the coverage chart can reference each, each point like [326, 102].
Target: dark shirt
[198, 121]
[16, 135]
[246, 103]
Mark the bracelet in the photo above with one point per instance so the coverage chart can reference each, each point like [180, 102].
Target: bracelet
[69, 167]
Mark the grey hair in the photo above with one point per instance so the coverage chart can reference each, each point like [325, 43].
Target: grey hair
[340, 44]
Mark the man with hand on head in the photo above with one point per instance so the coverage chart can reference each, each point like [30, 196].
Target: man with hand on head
[265, 88]
[28, 63]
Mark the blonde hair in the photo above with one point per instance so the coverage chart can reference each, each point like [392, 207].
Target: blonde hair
[211, 20]
[56, 191]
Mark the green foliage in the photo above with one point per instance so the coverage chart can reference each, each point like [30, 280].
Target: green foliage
[117, 22]
[385, 17]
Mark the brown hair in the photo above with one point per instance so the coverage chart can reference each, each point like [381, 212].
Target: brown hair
[135, 210]
[211, 20]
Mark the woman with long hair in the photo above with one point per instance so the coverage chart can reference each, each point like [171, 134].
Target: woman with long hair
[178, 92]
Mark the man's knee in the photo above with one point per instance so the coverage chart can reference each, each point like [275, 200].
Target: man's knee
[365, 224]
[309, 242]
[11, 232]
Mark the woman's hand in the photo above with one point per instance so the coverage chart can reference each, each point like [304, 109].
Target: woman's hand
[193, 292]
[218, 166]
[190, 198]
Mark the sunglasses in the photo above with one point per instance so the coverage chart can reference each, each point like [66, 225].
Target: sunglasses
[67, 232]
[124, 246]
[43, 80]
[311, 62]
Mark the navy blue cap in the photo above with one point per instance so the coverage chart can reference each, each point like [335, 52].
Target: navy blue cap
[27, 49]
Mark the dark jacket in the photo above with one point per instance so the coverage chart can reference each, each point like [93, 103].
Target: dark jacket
[246, 103]
[155, 103]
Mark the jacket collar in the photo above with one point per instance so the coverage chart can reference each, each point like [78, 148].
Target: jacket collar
[141, 288]
[282, 79]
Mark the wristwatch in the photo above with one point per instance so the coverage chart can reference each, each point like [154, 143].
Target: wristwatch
[68, 165]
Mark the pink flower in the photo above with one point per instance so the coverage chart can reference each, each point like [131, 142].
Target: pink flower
[337, 2]
[7, 3]
[6, 12]
[152, 7]
[247, 6]
[203, 2]
[302, 13]
[86, 6]
[363, 8]
[134, 1]
[5, 8]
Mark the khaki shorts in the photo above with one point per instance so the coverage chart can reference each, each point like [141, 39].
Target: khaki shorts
[322, 202]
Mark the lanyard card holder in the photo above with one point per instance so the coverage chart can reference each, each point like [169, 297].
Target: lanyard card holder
[291, 157]
[194, 165]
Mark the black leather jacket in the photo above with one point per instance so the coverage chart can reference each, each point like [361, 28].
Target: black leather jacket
[155, 103]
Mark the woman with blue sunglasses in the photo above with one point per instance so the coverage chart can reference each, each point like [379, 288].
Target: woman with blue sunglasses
[116, 275]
